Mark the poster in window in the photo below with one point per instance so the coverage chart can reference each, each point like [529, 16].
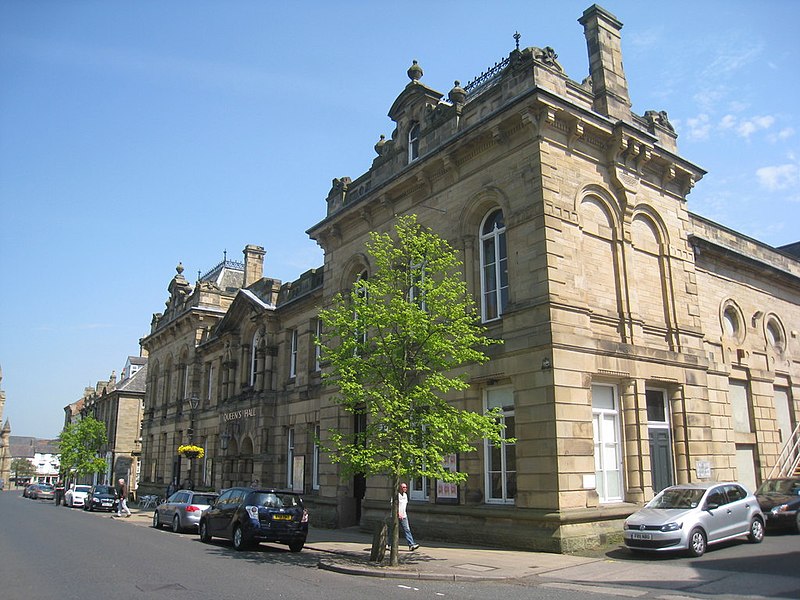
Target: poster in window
[447, 493]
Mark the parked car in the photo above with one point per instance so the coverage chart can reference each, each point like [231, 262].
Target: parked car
[101, 497]
[247, 516]
[41, 491]
[780, 501]
[692, 516]
[182, 510]
[26, 491]
[76, 495]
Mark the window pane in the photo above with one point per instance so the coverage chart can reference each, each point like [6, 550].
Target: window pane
[655, 406]
[603, 397]
[511, 485]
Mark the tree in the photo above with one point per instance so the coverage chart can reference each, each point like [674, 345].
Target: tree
[393, 346]
[80, 444]
[22, 467]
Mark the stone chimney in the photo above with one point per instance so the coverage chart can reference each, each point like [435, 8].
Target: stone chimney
[609, 85]
[253, 264]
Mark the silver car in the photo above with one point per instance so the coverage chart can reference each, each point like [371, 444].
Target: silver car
[182, 510]
[692, 516]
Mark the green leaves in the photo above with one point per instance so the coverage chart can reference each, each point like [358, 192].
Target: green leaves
[79, 445]
[395, 346]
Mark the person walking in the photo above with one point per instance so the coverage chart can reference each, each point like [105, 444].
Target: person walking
[402, 515]
[122, 504]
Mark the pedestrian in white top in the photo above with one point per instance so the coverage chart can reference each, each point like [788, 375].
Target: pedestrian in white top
[402, 503]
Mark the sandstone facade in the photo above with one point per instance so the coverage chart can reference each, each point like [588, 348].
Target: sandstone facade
[643, 345]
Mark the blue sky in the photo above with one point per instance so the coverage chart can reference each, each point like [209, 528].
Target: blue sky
[134, 135]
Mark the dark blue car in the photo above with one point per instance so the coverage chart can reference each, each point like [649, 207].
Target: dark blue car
[247, 516]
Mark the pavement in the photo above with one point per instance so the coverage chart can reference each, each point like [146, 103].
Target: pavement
[612, 570]
[348, 551]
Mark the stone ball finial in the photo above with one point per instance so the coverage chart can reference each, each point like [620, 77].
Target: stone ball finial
[380, 144]
[457, 95]
[179, 268]
[414, 71]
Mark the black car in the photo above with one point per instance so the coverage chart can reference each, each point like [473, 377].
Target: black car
[248, 516]
[101, 497]
[780, 502]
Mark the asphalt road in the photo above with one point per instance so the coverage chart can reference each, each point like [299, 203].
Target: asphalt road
[54, 553]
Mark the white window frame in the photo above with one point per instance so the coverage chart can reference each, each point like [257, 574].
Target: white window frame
[413, 142]
[317, 347]
[254, 357]
[602, 416]
[505, 400]
[496, 237]
[293, 354]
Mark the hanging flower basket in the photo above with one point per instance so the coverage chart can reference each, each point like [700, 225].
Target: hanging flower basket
[191, 451]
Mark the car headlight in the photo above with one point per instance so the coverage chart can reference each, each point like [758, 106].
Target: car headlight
[779, 509]
[671, 526]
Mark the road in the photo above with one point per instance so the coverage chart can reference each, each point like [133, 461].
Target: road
[54, 553]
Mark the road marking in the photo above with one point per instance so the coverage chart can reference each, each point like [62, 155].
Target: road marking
[598, 589]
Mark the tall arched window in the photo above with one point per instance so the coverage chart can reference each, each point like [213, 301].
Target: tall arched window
[413, 142]
[494, 266]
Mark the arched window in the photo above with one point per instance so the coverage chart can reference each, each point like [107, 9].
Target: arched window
[774, 334]
[256, 359]
[494, 266]
[413, 142]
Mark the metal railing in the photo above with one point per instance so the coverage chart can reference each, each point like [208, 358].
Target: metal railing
[789, 458]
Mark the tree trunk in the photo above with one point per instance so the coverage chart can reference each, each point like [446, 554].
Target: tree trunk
[395, 521]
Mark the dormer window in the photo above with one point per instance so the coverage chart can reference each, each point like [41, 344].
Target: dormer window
[413, 142]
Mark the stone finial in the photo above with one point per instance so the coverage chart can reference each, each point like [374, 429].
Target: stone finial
[380, 144]
[414, 71]
[179, 268]
[457, 95]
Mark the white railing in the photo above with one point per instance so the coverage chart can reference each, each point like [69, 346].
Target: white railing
[789, 458]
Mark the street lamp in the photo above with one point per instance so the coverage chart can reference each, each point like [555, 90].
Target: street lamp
[194, 402]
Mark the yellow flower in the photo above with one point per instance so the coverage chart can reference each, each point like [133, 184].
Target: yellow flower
[191, 451]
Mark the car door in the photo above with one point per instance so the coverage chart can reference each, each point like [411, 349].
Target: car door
[717, 519]
[237, 497]
[215, 518]
[738, 508]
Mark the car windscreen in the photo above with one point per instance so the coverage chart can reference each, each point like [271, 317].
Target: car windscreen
[103, 489]
[203, 499]
[45, 487]
[677, 498]
[275, 500]
[776, 486]
[83, 488]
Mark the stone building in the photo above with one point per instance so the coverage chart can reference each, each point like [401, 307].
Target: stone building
[119, 405]
[643, 344]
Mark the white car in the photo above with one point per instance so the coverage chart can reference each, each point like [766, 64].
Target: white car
[76, 495]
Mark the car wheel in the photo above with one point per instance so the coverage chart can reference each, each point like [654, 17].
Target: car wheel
[239, 542]
[756, 531]
[176, 524]
[156, 520]
[697, 542]
[204, 537]
[296, 546]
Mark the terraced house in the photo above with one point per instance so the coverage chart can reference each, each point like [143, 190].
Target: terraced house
[643, 344]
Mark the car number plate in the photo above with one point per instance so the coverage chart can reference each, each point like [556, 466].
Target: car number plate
[641, 536]
[281, 517]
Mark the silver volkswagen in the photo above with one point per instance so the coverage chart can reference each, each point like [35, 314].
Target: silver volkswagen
[692, 516]
[182, 510]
